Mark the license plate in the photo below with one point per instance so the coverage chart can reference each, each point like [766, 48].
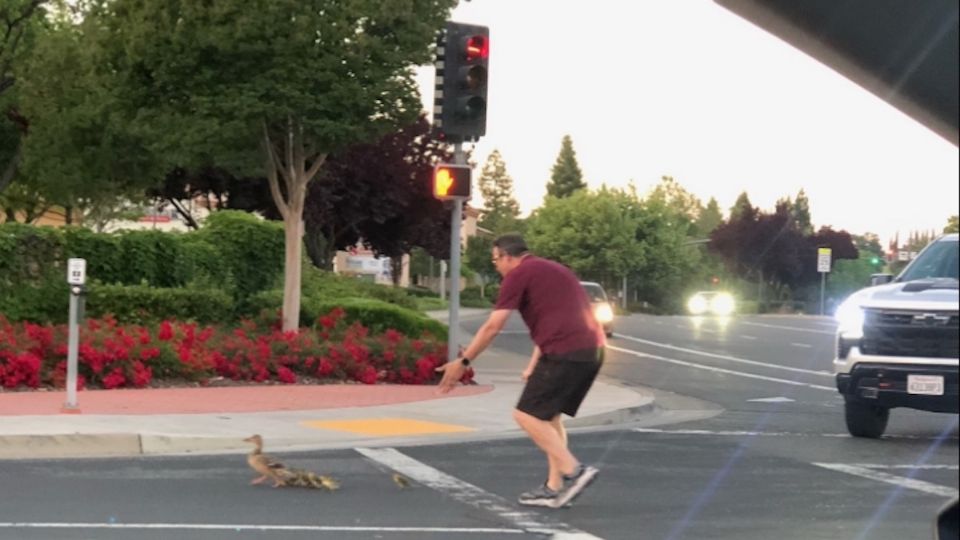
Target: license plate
[928, 385]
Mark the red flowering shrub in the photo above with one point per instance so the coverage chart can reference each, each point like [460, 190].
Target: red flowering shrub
[111, 355]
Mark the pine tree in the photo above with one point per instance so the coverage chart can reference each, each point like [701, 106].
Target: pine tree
[566, 176]
[496, 188]
[710, 218]
[801, 213]
[742, 207]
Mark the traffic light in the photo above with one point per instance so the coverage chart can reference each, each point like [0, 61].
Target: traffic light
[460, 105]
[451, 181]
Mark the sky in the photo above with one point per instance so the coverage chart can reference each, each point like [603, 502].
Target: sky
[687, 89]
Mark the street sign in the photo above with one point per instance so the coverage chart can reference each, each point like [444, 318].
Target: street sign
[823, 259]
[903, 256]
[76, 271]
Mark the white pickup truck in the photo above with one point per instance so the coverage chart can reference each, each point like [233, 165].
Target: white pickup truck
[898, 342]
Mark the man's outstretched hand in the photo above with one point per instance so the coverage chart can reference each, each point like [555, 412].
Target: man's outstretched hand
[452, 373]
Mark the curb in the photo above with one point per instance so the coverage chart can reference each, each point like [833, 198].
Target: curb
[101, 445]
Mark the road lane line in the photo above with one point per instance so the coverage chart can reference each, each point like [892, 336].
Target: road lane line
[726, 357]
[924, 467]
[802, 345]
[248, 527]
[736, 433]
[752, 338]
[879, 476]
[721, 370]
[794, 328]
[472, 495]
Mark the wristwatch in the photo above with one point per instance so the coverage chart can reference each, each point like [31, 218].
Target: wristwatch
[464, 361]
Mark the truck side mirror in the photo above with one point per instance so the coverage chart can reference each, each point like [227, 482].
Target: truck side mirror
[880, 279]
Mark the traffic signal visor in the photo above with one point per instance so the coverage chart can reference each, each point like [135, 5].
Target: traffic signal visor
[451, 181]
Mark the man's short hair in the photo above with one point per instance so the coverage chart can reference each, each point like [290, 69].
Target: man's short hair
[512, 244]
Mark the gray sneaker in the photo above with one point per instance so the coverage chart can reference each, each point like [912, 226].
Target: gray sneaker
[541, 496]
[574, 484]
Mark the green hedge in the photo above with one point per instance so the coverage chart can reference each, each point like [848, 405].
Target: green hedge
[380, 316]
[322, 284]
[250, 249]
[140, 304]
[376, 315]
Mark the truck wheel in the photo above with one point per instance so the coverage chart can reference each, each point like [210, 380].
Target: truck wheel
[865, 420]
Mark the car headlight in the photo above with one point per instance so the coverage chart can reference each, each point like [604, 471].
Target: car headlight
[697, 304]
[722, 304]
[603, 313]
[850, 319]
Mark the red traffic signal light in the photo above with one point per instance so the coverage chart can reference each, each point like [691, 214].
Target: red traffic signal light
[462, 62]
[451, 181]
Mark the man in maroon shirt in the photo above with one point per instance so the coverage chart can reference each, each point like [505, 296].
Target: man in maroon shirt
[567, 357]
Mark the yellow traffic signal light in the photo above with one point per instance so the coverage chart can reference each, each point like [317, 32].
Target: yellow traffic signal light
[451, 181]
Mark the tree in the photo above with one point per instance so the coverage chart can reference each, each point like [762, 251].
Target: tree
[710, 218]
[268, 87]
[742, 208]
[501, 210]
[478, 258]
[565, 177]
[801, 213]
[76, 155]
[18, 20]
[684, 207]
[953, 225]
[670, 264]
[588, 231]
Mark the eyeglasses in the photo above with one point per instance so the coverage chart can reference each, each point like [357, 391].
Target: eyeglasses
[494, 260]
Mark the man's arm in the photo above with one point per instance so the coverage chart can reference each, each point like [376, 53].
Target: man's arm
[453, 371]
[534, 358]
[487, 333]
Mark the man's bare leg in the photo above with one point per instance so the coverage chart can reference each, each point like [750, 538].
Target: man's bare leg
[550, 437]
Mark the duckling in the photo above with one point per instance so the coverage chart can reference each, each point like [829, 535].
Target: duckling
[401, 480]
[309, 479]
[267, 466]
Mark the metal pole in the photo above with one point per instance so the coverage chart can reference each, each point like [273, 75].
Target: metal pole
[453, 346]
[73, 340]
[443, 279]
[823, 283]
[623, 301]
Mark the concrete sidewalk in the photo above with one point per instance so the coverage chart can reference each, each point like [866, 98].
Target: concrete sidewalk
[215, 420]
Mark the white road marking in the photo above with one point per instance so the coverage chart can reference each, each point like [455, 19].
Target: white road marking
[723, 433]
[778, 399]
[925, 467]
[902, 481]
[735, 433]
[802, 345]
[726, 357]
[744, 336]
[722, 370]
[794, 328]
[472, 495]
[247, 527]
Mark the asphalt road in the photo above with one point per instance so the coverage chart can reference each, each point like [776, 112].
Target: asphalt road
[748, 443]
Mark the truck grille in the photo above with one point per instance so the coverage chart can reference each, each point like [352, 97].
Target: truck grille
[925, 334]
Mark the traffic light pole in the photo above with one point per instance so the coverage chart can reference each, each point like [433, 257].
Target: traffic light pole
[453, 346]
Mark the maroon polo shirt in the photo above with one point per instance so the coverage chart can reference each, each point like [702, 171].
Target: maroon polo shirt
[554, 305]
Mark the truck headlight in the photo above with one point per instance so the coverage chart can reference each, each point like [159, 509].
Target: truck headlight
[850, 320]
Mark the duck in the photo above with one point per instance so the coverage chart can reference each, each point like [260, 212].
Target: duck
[265, 465]
[283, 476]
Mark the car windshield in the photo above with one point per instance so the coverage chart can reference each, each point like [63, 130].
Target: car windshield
[940, 260]
[595, 292]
